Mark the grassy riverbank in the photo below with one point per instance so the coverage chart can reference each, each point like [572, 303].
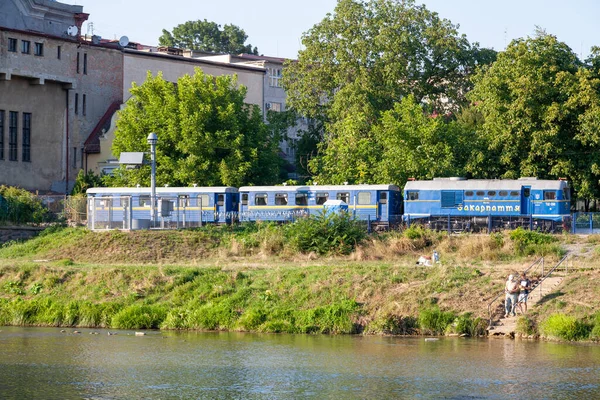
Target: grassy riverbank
[259, 279]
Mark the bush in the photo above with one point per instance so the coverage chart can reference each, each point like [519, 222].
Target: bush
[21, 207]
[139, 317]
[326, 233]
[533, 242]
[565, 327]
[467, 325]
[434, 320]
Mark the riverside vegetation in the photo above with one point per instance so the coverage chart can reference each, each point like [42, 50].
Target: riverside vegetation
[319, 275]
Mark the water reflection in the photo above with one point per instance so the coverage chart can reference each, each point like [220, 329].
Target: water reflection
[45, 363]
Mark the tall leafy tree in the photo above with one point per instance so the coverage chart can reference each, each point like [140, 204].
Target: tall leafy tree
[207, 134]
[207, 36]
[362, 59]
[540, 108]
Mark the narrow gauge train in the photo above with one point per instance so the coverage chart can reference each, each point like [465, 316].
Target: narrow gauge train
[177, 207]
[381, 205]
[458, 204]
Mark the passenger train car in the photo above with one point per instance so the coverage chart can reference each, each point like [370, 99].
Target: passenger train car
[460, 204]
[176, 207]
[379, 204]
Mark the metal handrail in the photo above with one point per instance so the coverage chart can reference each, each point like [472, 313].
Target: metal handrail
[548, 274]
[538, 261]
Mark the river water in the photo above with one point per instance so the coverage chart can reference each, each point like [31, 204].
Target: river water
[45, 363]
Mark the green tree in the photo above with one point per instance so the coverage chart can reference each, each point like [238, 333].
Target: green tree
[207, 36]
[540, 115]
[207, 134]
[362, 59]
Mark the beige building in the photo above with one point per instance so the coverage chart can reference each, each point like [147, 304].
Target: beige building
[54, 89]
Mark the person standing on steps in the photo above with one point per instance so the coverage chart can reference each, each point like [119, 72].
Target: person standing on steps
[511, 288]
[525, 288]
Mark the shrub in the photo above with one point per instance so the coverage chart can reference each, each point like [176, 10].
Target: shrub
[532, 242]
[526, 326]
[434, 320]
[139, 317]
[467, 325]
[19, 206]
[565, 327]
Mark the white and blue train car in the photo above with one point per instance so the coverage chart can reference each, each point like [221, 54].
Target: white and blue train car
[466, 204]
[379, 204]
[175, 207]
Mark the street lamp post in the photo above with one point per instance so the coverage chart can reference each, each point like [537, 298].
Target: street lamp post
[152, 139]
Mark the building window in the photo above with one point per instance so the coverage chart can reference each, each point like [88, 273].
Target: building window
[12, 45]
[76, 103]
[274, 107]
[12, 135]
[74, 165]
[26, 137]
[25, 46]
[274, 77]
[77, 62]
[85, 63]
[1, 134]
[38, 50]
[83, 106]
[58, 50]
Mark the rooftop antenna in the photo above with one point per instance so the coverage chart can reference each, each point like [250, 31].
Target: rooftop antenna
[90, 27]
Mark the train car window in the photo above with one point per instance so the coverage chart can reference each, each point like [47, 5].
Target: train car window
[383, 197]
[301, 199]
[549, 195]
[491, 192]
[503, 193]
[244, 199]
[184, 201]
[343, 196]
[321, 197]
[469, 193]
[566, 193]
[260, 199]
[144, 201]
[203, 200]
[106, 201]
[220, 199]
[364, 198]
[526, 192]
[413, 195]
[480, 193]
[514, 193]
[281, 199]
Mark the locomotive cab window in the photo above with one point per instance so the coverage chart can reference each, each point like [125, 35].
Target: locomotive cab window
[260, 199]
[469, 193]
[301, 199]
[364, 198]
[549, 195]
[220, 199]
[526, 192]
[244, 199]
[383, 197]
[566, 193]
[343, 196]
[281, 199]
[321, 198]
[412, 196]
[203, 200]
[144, 201]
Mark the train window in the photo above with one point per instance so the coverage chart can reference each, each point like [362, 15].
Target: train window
[220, 199]
[184, 201]
[503, 193]
[469, 193]
[106, 201]
[451, 198]
[514, 193]
[566, 193]
[144, 201]
[343, 196]
[203, 200]
[383, 197]
[413, 196]
[491, 192]
[480, 193]
[244, 199]
[549, 195]
[281, 199]
[321, 197]
[364, 197]
[526, 192]
[301, 199]
[260, 199]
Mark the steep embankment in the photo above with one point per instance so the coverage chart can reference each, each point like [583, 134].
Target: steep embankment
[256, 281]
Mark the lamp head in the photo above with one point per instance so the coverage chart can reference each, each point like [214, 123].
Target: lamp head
[152, 138]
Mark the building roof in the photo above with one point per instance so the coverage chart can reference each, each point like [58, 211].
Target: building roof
[92, 144]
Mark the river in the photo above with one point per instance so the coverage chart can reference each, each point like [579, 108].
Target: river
[45, 363]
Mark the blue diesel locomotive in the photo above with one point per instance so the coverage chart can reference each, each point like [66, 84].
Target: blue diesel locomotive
[459, 204]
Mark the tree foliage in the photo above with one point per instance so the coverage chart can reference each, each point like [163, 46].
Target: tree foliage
[540, 115]
[361, 60]
[207, 36]
[207, 135]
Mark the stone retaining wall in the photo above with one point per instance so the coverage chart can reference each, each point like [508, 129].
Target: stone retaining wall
[8, 233]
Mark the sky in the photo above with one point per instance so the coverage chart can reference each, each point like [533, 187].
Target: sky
[276, 27]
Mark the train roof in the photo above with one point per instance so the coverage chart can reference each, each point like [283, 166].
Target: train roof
[161, 190]
[316, 188]
[485, 184]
